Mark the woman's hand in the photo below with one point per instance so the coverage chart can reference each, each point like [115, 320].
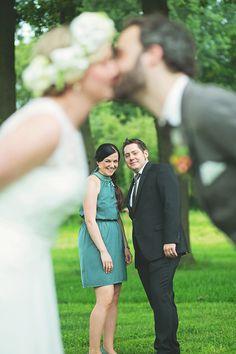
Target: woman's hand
[106, 261]
[128, 255]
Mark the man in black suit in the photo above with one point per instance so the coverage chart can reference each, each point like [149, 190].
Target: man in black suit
[154, 207]
[156, 60]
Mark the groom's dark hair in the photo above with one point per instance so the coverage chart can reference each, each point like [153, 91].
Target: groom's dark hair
[142, 146]
[176, 41]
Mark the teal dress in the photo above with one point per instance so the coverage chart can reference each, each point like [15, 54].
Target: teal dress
[92, 272]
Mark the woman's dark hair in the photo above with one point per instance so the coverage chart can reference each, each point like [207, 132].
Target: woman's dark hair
[106, 150]
[102, 152]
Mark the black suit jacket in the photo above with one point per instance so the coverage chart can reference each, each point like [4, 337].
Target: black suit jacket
[209, 125]
[156, 213]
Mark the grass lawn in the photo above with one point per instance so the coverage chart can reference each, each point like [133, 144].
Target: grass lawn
[205, 296]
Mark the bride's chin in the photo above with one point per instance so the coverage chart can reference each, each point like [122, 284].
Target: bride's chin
[109, 95]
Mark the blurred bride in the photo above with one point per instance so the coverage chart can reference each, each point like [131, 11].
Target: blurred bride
[42, 175]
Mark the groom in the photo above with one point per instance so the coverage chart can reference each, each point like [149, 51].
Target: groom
[154, 207]
[156, 60]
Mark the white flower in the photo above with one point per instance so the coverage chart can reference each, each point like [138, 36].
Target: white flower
[91, 33]
[71, 61]
[63, 58]
[92, 30]
[39, 75]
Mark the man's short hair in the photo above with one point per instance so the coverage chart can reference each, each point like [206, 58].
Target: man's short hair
[142, 146]
[176, 41]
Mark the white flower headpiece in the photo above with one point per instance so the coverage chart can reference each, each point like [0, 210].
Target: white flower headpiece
[90, 32]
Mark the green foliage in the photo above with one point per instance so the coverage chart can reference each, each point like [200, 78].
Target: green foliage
[23, 55]
[42, 15]
[204, 292]
[212, 24]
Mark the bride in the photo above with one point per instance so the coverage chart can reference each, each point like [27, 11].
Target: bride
[42, 175]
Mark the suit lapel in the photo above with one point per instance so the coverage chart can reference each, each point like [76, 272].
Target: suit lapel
[128, 196]
[142, 179]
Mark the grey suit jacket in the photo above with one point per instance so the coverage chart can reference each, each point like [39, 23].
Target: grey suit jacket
[209, 125]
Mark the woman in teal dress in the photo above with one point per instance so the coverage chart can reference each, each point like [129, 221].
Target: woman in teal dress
[103, 247]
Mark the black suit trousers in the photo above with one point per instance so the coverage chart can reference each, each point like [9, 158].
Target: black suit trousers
[157, 279]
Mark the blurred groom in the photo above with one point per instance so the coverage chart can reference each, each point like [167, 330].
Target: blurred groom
[156, 61]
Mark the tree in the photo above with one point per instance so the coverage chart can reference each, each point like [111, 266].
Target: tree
[212, 24]
[7, 59]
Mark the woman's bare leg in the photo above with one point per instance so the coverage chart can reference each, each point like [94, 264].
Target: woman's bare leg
[104, 299]
[110, 323]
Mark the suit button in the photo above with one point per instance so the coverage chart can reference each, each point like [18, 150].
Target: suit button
[134, 219]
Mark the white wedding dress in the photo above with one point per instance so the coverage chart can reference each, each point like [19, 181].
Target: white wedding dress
[31, 210]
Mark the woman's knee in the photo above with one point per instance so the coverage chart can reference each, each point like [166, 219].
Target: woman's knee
[117, 289]
[105, 296]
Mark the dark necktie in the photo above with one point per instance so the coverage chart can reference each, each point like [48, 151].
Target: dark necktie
[135, 188]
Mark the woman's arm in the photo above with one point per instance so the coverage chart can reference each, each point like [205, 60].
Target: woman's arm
[90, 208]
[128, 255]
[27, 146]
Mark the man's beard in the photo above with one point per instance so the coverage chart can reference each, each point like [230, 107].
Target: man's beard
[131, 84]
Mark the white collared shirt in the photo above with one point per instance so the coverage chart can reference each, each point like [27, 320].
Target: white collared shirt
[171, 112]
[139, 172]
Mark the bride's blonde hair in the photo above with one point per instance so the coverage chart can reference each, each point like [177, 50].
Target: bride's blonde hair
[62, 56]
[59, 37]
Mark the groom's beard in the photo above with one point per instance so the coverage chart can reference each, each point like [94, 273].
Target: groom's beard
[131, 83]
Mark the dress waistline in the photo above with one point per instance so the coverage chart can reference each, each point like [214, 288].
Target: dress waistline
[106, 219]
[102, 219]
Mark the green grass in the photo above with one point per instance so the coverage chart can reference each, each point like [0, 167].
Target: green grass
[205, 295]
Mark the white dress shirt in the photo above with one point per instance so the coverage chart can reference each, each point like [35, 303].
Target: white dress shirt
[139, 172]
[171, 112]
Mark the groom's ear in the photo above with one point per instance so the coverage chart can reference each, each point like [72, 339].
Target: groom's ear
[154, 54]
[146, 153]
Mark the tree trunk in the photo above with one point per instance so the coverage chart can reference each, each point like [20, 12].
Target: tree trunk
[67, 11]
[89, 144]
[164, 145]
[7, 59]
[150, 6]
